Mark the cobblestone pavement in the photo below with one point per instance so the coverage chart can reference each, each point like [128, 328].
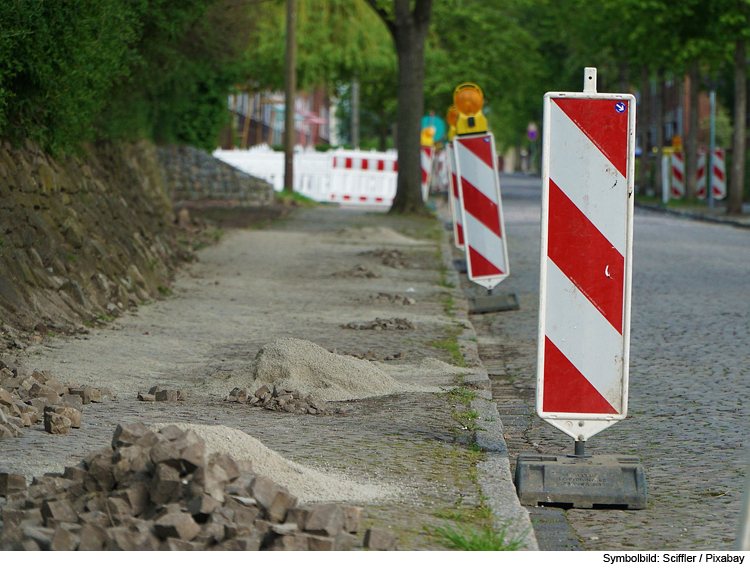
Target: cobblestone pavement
[259, 285]
[689, 412]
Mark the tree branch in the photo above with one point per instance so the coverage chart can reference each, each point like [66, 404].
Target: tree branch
[389, 22]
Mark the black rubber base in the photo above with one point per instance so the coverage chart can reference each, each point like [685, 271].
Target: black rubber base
[595, 482]
[492, 303]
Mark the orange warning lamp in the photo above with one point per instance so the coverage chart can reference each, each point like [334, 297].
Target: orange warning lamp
[452, 118]
[427, 137]
[469, 101]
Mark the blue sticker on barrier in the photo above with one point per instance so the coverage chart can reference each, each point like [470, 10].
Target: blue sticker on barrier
[620, 107]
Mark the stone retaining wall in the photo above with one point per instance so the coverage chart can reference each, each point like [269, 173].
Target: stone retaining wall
[81, 236]
[193, 175]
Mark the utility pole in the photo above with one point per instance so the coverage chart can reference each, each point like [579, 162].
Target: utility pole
[355, 114]
[290, 86]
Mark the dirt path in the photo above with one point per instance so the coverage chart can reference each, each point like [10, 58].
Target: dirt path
[305, 277]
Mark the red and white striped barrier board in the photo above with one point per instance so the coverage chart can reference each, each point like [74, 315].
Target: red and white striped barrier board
[719, 171]
[482, 210]
[453, 201]
[678, 176]
[718, 181]
[587, 212]
[700, 176]
[427, 156]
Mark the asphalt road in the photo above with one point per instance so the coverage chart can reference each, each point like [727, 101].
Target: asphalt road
[689, 410]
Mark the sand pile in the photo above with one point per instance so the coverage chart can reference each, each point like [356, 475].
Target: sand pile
[293, 364]
[307, 367]
[307, 484]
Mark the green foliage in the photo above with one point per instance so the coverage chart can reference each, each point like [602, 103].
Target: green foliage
[336, 41]
[58, 61]
[78, 70]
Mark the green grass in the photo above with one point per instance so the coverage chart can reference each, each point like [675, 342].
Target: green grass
[487, 538]
[295, 197]
[450, 345]
[449, 306]
[165, 291]
[461, 394]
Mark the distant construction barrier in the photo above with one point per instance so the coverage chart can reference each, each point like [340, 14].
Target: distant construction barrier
[339, 176]
[718, 170]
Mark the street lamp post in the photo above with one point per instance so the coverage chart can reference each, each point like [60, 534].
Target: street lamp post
[290, 85]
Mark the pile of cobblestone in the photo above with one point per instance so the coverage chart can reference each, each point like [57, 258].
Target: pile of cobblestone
[393, 299]
[390, 257]
[163, 491]
[282, 398]
[27, 397]
[381, 324]
[160, 394]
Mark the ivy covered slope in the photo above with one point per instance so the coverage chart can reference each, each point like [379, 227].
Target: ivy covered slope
[76, 71]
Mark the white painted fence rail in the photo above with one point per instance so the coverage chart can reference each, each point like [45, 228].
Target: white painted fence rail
[340, 176]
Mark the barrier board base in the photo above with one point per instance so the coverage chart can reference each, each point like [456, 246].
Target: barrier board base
[492, 303]
[460, 265]
[606, 481]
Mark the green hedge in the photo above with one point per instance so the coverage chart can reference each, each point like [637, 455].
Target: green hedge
[76, 70]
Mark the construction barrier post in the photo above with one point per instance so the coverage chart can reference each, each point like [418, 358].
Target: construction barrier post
[585, 288]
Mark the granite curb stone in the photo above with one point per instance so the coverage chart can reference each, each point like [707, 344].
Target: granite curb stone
[494, 478]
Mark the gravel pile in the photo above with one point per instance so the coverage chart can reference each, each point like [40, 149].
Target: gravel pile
[289, 363]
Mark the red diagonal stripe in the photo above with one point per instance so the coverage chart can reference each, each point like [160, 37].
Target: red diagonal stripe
[585, 256]
[718, 173]
[603, 125]
[481, 207]
[481, 147]
[481, 266]
[566, 389]
[459, 234]
[455, 185]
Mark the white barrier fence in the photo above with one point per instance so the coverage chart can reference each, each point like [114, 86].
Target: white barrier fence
[341, 176]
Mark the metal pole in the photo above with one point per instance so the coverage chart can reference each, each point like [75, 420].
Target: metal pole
[711, 147]
[355, 114]
[743, 537]
[290, 86]
[664, 178]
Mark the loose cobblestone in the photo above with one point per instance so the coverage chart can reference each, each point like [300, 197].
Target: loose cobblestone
[408, 440]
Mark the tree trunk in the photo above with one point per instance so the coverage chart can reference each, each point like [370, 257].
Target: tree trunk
[410, 49]
[691, 145]
[659, 120]
[737, 176]
[409, 30]
[644, 114]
